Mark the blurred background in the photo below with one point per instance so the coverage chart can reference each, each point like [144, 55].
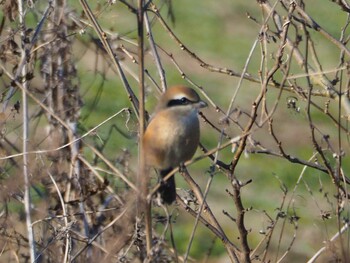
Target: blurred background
[275, 76]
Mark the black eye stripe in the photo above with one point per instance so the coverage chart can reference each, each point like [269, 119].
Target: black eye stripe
[177, 102]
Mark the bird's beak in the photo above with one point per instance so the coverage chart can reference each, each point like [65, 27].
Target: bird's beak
[202, 104]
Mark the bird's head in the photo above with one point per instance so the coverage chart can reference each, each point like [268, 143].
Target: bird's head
[182, 97]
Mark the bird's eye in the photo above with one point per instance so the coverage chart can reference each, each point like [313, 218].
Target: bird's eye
[184, 100]
[179, 102]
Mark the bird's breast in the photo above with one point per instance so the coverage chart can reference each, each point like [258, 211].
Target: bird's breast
[172, 138]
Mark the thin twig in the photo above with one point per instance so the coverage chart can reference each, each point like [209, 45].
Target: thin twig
[29, 47]
[146, 205]
[25, 135]
[91, 240]
[323, 249]
[65, 218]
[156, 57]
[206, 191]
[103, 37]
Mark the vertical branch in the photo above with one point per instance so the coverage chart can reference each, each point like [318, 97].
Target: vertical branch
[25, 134]
[63, 98]
[243, 232]
[143, 176]
[141, 64]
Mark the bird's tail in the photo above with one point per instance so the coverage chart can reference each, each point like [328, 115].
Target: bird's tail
[167, 188]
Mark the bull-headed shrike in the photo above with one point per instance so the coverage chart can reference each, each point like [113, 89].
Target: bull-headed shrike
[172, 135]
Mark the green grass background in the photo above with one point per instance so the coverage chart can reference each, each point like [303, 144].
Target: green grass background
[220, 33]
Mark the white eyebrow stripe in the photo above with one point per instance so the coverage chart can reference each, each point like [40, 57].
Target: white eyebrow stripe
[179, 96]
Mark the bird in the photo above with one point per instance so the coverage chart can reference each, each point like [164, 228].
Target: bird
[172, 135]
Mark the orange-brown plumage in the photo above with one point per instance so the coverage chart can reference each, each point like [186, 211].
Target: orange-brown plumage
[172, 135]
